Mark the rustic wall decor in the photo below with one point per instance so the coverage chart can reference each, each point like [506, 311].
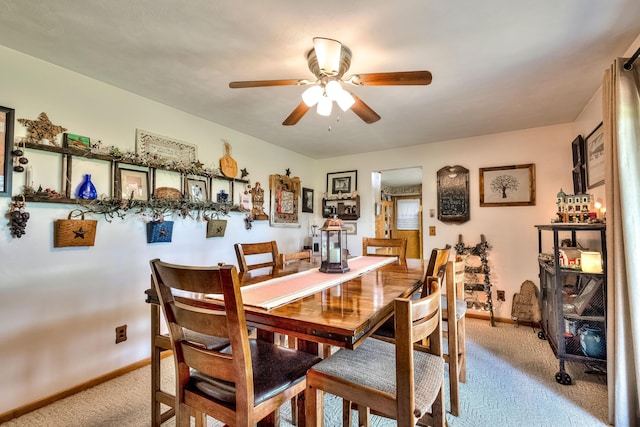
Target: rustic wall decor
[285, 198]
[453, 194]
[508, 185]
[158, 147]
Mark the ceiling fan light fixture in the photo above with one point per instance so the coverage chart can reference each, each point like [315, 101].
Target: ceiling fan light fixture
[324, 106]
[312, 95]
[328, 53]
[345, 100]
[333, 89]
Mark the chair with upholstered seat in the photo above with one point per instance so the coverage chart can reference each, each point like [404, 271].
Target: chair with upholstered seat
[252, 256]
[238, 384]
[373, 246]
[394, 380]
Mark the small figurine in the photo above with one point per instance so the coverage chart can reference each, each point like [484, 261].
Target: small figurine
[257, 199]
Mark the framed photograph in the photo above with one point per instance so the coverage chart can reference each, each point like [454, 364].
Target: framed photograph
[134, 184]
[342, 182]
[196, 189]
[7, 118]
[594, 153]
[71, 140]
[307, 200]
[351, 227]
[508, 185]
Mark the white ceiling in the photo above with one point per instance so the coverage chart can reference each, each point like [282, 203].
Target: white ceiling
[497, 65]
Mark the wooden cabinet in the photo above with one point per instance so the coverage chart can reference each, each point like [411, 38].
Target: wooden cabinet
[347, 209]
[573, 300]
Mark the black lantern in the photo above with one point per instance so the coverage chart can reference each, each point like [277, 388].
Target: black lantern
[333, 247]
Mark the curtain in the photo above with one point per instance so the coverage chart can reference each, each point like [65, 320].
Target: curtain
[621, 121]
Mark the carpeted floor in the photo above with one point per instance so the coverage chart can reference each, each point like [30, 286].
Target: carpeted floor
[510, 382]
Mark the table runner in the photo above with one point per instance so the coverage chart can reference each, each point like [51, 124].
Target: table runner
[282, 290]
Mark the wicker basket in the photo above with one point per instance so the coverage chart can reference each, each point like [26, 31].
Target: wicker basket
[74, 232]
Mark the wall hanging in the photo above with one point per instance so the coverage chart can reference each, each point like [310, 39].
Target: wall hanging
[216, 227]
[453, 194]
[159, 231]
[74, 232]
[285, 195]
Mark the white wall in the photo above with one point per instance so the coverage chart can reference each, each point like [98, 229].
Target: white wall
[510, 230]
[60, 306]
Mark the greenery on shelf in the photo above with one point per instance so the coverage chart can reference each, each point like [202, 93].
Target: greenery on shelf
[154, 208]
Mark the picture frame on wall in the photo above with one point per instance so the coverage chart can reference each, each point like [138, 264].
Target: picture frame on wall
[345, 182]
[594, 155]
[196, 189]
[7, 119]
[578, 172]
[307, 200]
[134, 184]
[508, 186]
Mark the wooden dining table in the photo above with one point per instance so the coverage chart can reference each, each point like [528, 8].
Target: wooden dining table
[341, 315]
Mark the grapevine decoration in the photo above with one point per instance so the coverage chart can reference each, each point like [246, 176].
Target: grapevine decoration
[18, 217]
[481, 250]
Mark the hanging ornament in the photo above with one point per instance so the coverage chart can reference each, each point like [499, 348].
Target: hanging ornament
[18, 217]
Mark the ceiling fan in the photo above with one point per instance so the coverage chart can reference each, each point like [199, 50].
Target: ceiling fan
[328, 61]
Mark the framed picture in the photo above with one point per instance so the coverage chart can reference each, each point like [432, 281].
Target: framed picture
[76, 141]
[284, 195]
[453, 194]
[165, 149]
[342, 182]
[351, 227]
[134, 184]
[594, 153]
[7, 118]
[508, 185]
[578, 172]
[196, 189]
[307, 200]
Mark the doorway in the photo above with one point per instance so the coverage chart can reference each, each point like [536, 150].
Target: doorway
[399, 207]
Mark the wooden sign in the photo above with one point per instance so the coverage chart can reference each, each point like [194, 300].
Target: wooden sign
[453, 194]
[228, 166]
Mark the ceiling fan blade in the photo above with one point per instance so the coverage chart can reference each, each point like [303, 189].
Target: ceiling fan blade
[363, 111]
[296, 114]
[388, 79]
[262, 83]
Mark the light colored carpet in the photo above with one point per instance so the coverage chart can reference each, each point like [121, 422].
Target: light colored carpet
[510, 382]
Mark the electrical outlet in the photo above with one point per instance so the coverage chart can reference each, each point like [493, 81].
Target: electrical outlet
[121, 333]
[432, 230]
[500, 295]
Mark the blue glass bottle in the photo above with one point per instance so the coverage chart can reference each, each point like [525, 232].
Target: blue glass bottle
[87, 190]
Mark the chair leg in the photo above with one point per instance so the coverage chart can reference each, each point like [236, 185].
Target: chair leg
[454, 373]
[462, 349]
[364, 416]
[183, 416]
[346, 413]
[313, 405]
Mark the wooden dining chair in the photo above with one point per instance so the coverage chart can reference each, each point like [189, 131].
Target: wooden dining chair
[403, 381]
[454, 309]
[295, 256]
[239, 384]
[252, 256]
[373, 246]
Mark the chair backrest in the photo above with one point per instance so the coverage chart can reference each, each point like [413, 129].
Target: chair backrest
[373, 246]
[437, 265]
[265, 252]
[184, 317]
[295, 256]
[416, 320]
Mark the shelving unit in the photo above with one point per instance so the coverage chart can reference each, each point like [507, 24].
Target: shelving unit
[347, 209]
[573, 302]
[68, 153]
[384, 221]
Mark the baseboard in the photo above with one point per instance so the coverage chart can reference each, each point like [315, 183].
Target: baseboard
[501, 319]
[25, 409]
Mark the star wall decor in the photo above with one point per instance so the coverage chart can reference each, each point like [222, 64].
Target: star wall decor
[288, 173]
[42, 128]
[243, 173]
[80, 233]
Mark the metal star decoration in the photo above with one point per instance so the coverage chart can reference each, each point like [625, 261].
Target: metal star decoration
[42, 128]
[243, 173]
[288, 173]
[80, 233]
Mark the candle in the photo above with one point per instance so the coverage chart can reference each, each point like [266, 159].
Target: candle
[591, 262]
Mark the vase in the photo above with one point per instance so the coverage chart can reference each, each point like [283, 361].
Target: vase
[87, 190]
[592, 342]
